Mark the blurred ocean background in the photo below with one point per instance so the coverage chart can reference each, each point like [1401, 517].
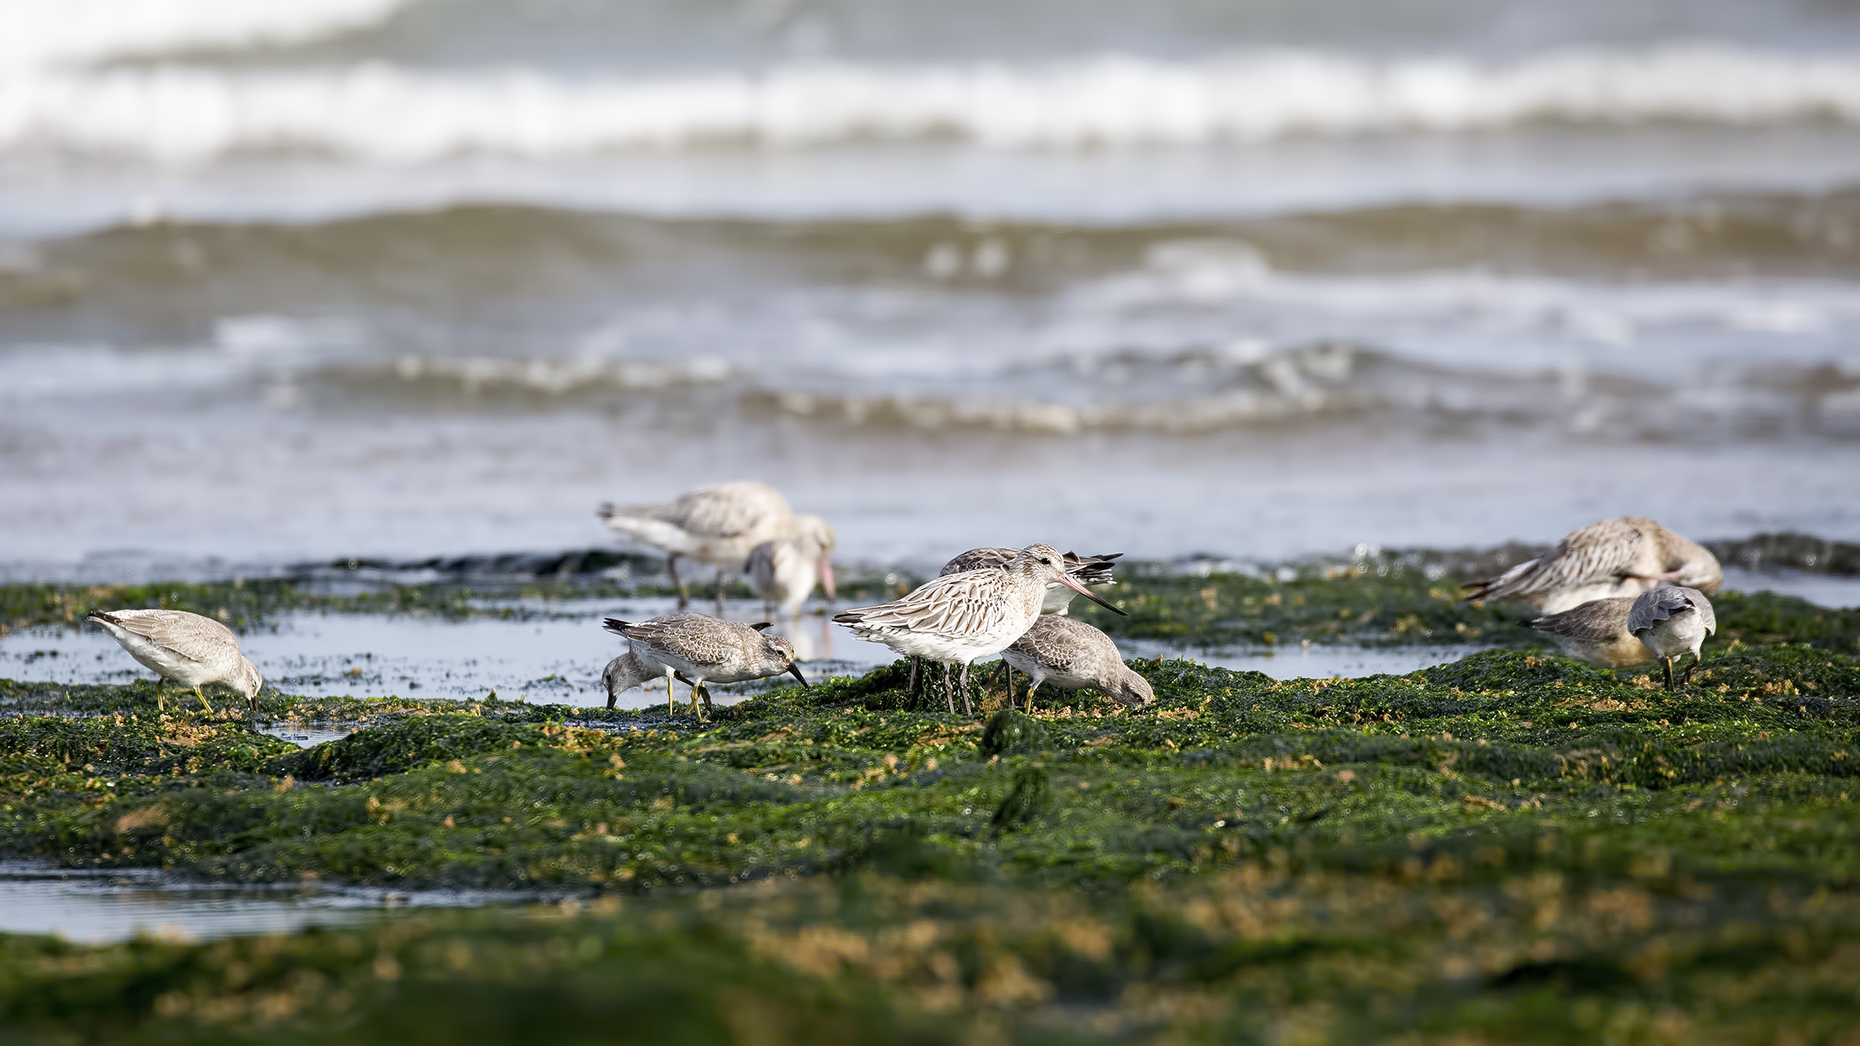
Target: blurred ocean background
[291, 281]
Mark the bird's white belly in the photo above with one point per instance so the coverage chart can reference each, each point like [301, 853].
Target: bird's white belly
[168, 664]
[947, 649]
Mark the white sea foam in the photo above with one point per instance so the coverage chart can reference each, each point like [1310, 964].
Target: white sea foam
[37, 32]
[396, 114]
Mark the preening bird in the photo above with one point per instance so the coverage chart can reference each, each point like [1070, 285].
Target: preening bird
[1596, 632]
[716, 525]
[1673, 622]
[1616, 557]
[186, 648]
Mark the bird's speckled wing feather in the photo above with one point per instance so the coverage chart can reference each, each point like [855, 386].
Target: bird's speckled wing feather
[1595, 553]
[696, 638]
[1597, 621]
[955, 606]
[189, 635]
[1069, 646]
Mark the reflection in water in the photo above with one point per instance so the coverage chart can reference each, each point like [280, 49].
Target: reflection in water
[98, 905]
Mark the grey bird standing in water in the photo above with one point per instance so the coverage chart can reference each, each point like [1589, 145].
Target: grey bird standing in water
[1071, 654]
[191, 650]
[1673, 622]
[783, 570]
[700, 649]
[1616, 557]
[1596, 632]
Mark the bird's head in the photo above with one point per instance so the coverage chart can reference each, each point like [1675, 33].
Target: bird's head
[780, 652]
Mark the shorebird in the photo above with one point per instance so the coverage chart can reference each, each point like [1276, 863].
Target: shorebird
[701, 649]
[956, 618]
[1616, 557]
[1596, 632]
[624, 673]
[1086, 570]
[191, 650]
[1072, 654]
[783, 570]
[1673, 622]
[715, 525]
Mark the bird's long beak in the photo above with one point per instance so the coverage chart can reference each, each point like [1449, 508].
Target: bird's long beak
[1080, 589]
[795, 671]
[826, 579]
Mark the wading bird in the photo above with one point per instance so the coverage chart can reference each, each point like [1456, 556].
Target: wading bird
[1616, 557]
[715, 525]
[186, 648]
[783, 570]
[1673, 622]
[699, 649]
[957, 618]
[1071, 654]
[1596, 632]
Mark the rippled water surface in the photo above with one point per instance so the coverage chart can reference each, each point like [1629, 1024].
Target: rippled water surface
[412, 278]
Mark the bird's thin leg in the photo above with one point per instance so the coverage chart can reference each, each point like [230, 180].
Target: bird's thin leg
[251, 702]
[911, 686]
[967, 708]
[1036, 685]
[1669, 673]
[1008, 674]
[203, 700]
[1686, 678]
[698, 690]
[671, 567]
[670, 708]
[947, 695]
[161, 703]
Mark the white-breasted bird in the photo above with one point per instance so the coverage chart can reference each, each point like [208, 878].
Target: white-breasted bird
[1672, 622]
[716, 525]
[783, 570]
[700, 649]
[1071, 654]
[957, 618]
[1616, 557]
[185, 648]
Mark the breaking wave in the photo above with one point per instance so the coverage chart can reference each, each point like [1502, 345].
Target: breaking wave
[70, 31]
[388, 113]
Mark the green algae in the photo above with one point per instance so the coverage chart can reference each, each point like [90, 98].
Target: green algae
[1513, 847]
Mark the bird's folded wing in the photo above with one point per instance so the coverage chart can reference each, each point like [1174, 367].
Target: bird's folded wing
[725, 514]
[1656, 606]
[189, 635]
[954, 605]
[1599, 621]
